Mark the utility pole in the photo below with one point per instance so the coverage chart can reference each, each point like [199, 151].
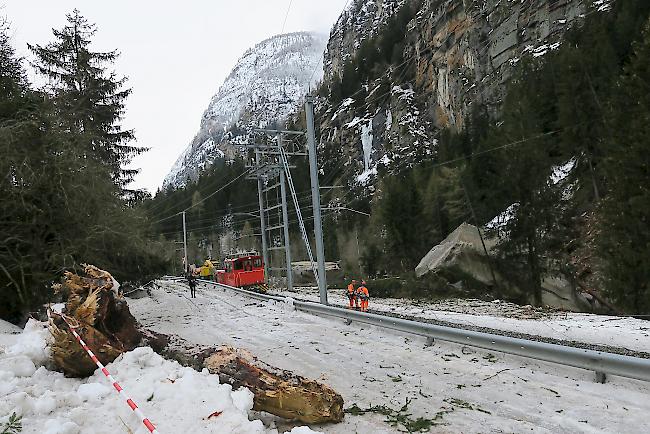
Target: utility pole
[315, 196]
[285, 221]
[186, 265]
[265, 251]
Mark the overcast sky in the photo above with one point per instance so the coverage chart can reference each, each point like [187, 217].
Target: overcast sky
[175, 54]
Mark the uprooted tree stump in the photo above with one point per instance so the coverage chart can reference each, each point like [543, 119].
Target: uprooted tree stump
[102, 317]
[275, 391]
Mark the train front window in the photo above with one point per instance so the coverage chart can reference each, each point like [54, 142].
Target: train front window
[228, 267]
[238, 265]
[257, 263]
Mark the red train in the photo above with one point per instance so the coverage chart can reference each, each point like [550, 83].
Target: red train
[245, 270]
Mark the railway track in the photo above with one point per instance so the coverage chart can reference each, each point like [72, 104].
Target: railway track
[569, 343]
[601, 362]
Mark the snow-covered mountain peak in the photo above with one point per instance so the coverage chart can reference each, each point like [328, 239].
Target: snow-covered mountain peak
[266, 85]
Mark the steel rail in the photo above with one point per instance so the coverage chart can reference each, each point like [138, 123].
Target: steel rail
[597, 361]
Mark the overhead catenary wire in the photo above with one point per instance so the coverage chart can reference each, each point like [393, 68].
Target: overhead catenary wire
[284, 23]
[435, 164]
[232, 181]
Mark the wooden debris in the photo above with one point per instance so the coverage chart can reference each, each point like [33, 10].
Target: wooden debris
[275, 391]
[278, 392]
[103, 319]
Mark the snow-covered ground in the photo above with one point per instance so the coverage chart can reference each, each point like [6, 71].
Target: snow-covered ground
[174, 398]
[624, 332]
[464, 389]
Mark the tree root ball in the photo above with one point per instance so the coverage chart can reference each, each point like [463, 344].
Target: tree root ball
[102, 318]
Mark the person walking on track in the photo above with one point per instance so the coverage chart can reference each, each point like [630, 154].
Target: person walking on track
[191, 281]
[364, 296]
[352, 295]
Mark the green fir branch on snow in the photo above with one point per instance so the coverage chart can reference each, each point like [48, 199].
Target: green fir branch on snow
[400, 419]
[13, 425]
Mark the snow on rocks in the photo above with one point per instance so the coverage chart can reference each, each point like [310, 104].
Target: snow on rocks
[602, 5]
[561, 172]
[502, 219]
[177, 399]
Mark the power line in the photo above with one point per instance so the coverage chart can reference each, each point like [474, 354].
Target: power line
[232, 181]
[156, 209]
[286, 16]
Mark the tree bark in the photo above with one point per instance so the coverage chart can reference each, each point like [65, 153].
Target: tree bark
[275, 391]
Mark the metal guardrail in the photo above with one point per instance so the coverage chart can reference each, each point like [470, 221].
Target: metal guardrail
[598, 361]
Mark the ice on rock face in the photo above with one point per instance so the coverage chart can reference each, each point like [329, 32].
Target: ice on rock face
[366, 142]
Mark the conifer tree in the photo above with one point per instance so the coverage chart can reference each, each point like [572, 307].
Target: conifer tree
[445, 205]
[401, 216]
[625, 234]
[526, 184]
[89, 97]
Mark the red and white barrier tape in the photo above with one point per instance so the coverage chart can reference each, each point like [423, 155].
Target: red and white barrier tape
[129, 401]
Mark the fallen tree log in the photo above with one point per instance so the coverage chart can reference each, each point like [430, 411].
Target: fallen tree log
[595, 294]
[103, 320]
[275, 391]
[278, 392]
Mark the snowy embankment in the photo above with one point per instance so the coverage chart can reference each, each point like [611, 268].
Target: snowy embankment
[457, 388]
[176, 399]
[610, 331]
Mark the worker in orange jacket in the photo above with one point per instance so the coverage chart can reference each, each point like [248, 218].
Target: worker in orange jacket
[364, 296]
[352, 295]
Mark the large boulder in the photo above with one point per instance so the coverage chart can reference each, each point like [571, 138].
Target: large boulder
[462, 251]
[462, 257]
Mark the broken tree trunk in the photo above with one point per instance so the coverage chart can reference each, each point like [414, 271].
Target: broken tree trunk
[278, 392]
[102, 317]
[598, 297]
[275, 391]
[104, 321]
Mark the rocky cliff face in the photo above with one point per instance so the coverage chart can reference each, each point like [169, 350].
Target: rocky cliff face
[456, 53]
[363, 19]
[265, 86]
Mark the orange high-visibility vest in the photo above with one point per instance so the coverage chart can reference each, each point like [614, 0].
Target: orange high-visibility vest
[364, 291]
[350, 289]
